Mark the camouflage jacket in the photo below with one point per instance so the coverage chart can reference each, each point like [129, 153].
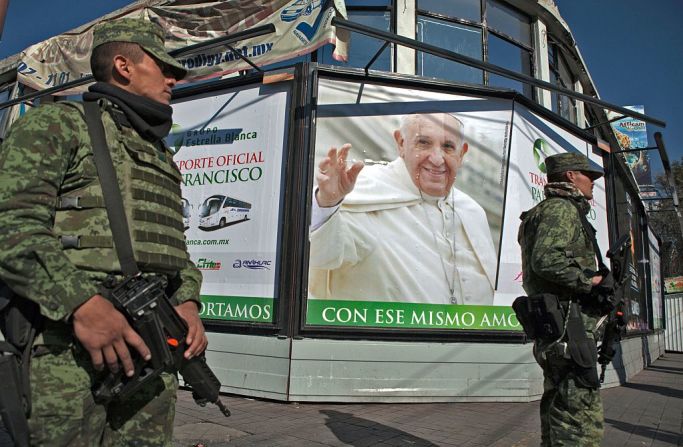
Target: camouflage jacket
[44, 152]
[557, 255]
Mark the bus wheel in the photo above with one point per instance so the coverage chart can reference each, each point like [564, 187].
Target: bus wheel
[223, 222]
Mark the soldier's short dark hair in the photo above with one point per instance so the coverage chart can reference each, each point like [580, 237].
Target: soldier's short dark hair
[102, 58]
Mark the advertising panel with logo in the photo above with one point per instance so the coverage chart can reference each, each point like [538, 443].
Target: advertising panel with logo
[301, 26]
[228, 147]
[632, 134]
[656, 282]
[635, 288]
[414, 244]
[534, 139]
[673, 284]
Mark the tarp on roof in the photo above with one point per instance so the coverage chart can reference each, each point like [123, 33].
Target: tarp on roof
[301, 26]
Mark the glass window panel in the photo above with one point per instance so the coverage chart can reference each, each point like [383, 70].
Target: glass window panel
[462, 9]
[565, 74]
[509, 21]
[551, 56]
[512, 57]
[554, 97]
[462, 39]
[362, 47]
[567, 108]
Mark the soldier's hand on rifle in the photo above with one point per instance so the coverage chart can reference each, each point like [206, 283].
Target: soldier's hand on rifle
[596, 280]
[105, 333]
[196, 337]
[334, 179]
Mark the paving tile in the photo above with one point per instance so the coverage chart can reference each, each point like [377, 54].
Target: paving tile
[648, 411]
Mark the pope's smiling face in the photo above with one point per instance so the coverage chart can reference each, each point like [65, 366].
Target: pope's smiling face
[432, 147]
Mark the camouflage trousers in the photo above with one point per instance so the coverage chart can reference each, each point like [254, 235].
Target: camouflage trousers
[65, 414]
[571, 414]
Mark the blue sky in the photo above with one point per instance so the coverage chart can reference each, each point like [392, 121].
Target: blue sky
[31, 21]
[631, 47]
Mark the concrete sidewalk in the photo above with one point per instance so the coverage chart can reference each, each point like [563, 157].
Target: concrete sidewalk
[647, 411]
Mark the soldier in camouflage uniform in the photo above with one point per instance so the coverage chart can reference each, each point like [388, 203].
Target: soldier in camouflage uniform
[558, 257]
[56, 248]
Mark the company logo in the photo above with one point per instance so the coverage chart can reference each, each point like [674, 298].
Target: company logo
[208, 264]
[299, 8]
[252, 264]
[632, 125]
[541, 148]
[175, 140]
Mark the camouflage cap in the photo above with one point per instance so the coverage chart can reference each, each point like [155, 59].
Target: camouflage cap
[148, 35]
[558, 163]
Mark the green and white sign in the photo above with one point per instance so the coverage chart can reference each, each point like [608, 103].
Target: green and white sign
[228, 147]
[381, 314]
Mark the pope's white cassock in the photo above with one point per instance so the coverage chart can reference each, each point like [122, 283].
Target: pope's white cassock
[387, 242]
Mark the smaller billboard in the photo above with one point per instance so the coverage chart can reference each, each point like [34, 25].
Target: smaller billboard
[655, 281]
[228, 147]
[632, 134]
[673, 284]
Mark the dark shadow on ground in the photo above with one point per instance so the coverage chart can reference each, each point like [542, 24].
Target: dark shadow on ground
[662, 436]
[665, 369]
[356, 431]
[663, 390]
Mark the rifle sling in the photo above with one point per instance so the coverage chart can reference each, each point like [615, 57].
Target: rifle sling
[590, 232]
[113, 199]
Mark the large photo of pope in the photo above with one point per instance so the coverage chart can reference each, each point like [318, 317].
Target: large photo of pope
[408, 207]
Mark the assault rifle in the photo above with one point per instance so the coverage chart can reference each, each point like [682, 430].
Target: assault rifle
[144, 303]
[615, 318]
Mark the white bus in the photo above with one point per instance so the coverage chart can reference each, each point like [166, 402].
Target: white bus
[219, 210]
[186, 212]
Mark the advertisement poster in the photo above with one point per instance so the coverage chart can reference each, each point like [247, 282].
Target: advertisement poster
[301, 26]
[534, 139]
[228, 147]
[656, 282]
[635, 287]
[415, 243]
[673, 284]
[632, 134]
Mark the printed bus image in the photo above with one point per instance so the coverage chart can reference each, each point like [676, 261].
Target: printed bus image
[186, 213]
[219, 211]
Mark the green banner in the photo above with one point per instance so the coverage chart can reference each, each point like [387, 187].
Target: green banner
[237, 308]
[382, 314]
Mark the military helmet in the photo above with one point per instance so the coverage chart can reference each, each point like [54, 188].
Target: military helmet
[559, 163]
[148, 35]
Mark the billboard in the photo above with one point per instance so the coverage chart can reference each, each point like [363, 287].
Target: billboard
[656, 281]
[533, 139]
[228, 147]
[636, 284]
[301, 26]
[424, 241]
[632, 134]
[673, 284]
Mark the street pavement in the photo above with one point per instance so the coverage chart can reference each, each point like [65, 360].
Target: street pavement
[646, 411]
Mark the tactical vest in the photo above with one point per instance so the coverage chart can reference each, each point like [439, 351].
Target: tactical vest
[580, 250]
[150, 186]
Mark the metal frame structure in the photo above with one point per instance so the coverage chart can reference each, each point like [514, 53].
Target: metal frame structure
[300, 129]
